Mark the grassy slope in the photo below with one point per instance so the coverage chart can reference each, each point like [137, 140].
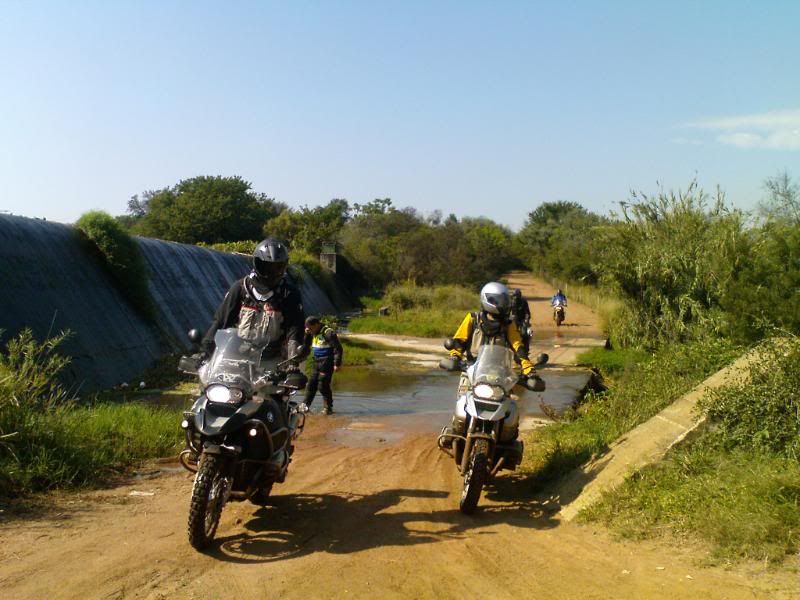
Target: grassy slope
[738, 485]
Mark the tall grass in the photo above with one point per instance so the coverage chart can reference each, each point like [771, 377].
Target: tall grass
[425, 311]
[744, 503]
[48, 440]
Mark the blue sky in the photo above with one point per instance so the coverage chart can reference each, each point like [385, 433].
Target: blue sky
[475, 108]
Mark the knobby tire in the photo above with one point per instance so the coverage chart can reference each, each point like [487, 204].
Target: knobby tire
[204, 509]
[475, 476]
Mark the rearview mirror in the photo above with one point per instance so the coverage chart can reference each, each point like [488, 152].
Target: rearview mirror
[541, 360]
[195, 336]
[535, 384]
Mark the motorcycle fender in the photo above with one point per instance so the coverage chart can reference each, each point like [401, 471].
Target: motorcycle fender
[222, 425]
[212, 449]
[510, 423]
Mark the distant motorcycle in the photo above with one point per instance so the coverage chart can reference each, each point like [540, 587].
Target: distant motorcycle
[559, 313]
[239, 432]
[490, 418]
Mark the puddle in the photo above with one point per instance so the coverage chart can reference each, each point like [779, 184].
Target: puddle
[383, 405]
[387, 407]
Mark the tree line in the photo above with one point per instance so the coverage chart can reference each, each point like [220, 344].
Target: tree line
[684, 263]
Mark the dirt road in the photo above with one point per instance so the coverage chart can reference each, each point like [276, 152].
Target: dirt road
[377, 520]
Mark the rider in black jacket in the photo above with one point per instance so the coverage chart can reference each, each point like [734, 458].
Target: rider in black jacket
[265, 306]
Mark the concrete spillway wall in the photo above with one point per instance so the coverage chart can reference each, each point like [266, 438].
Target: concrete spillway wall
[51, 281]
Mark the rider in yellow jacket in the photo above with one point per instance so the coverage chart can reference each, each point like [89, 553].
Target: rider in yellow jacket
[491, 325]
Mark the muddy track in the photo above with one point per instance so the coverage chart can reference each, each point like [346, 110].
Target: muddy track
[349, 522]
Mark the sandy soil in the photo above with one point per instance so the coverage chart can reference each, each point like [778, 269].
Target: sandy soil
[376, 521]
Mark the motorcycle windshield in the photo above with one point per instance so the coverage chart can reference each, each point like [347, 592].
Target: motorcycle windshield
[495, 366]
[235, 361]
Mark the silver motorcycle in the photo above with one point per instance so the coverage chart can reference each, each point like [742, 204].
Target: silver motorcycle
[483, 439]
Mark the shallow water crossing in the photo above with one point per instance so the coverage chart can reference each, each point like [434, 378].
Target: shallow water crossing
[384, 407]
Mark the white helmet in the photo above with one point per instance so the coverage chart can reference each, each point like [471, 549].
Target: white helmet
[495, 299]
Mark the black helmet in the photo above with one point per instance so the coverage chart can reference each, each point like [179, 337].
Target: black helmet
[269, 263]
[517, 294]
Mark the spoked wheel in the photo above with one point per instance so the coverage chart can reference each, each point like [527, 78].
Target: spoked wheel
[209, 493]
[475, 476]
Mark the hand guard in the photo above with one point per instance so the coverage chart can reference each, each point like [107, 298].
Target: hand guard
[535, 383]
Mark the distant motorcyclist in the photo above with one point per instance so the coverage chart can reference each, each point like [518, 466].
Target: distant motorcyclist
[559, 299]
[327, 358]
[265, 306]
[491, 325]
[521, 314]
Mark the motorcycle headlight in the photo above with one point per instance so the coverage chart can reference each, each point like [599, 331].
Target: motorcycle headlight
[223, 395]
[487, 392]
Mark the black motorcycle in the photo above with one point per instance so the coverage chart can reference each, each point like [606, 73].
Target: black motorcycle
[240, 431]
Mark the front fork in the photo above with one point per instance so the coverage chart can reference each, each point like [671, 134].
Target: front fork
[473, 434]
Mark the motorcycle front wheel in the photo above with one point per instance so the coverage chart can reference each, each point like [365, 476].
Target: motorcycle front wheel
[475, 476]
[208, 498]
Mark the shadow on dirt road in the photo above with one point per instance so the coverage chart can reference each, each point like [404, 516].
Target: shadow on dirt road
[301, 524]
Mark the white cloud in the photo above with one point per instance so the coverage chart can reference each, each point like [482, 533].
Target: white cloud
[775, 130]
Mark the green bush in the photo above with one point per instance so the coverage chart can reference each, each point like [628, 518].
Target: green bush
[762, 414]
[47, 440]
[121, 256]
[241, 247]
[670, 259]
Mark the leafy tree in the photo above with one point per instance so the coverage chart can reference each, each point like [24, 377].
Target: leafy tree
[204, 209]
[764, 292]
[558, 238]
[372, 240]
[783, 200]
[307, 228]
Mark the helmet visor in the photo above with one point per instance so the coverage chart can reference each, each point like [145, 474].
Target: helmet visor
[269, 272]
[498, 301]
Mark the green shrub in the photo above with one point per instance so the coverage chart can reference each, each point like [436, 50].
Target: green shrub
[738, 485]
[47, 440]
[240, 247]
[670, 259]
[121, 256]
[764, 413]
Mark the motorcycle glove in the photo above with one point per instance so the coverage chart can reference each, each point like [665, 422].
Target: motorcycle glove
[527, 368]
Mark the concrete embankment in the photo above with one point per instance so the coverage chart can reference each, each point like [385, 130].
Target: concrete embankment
[52, 281]
[645, 444]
